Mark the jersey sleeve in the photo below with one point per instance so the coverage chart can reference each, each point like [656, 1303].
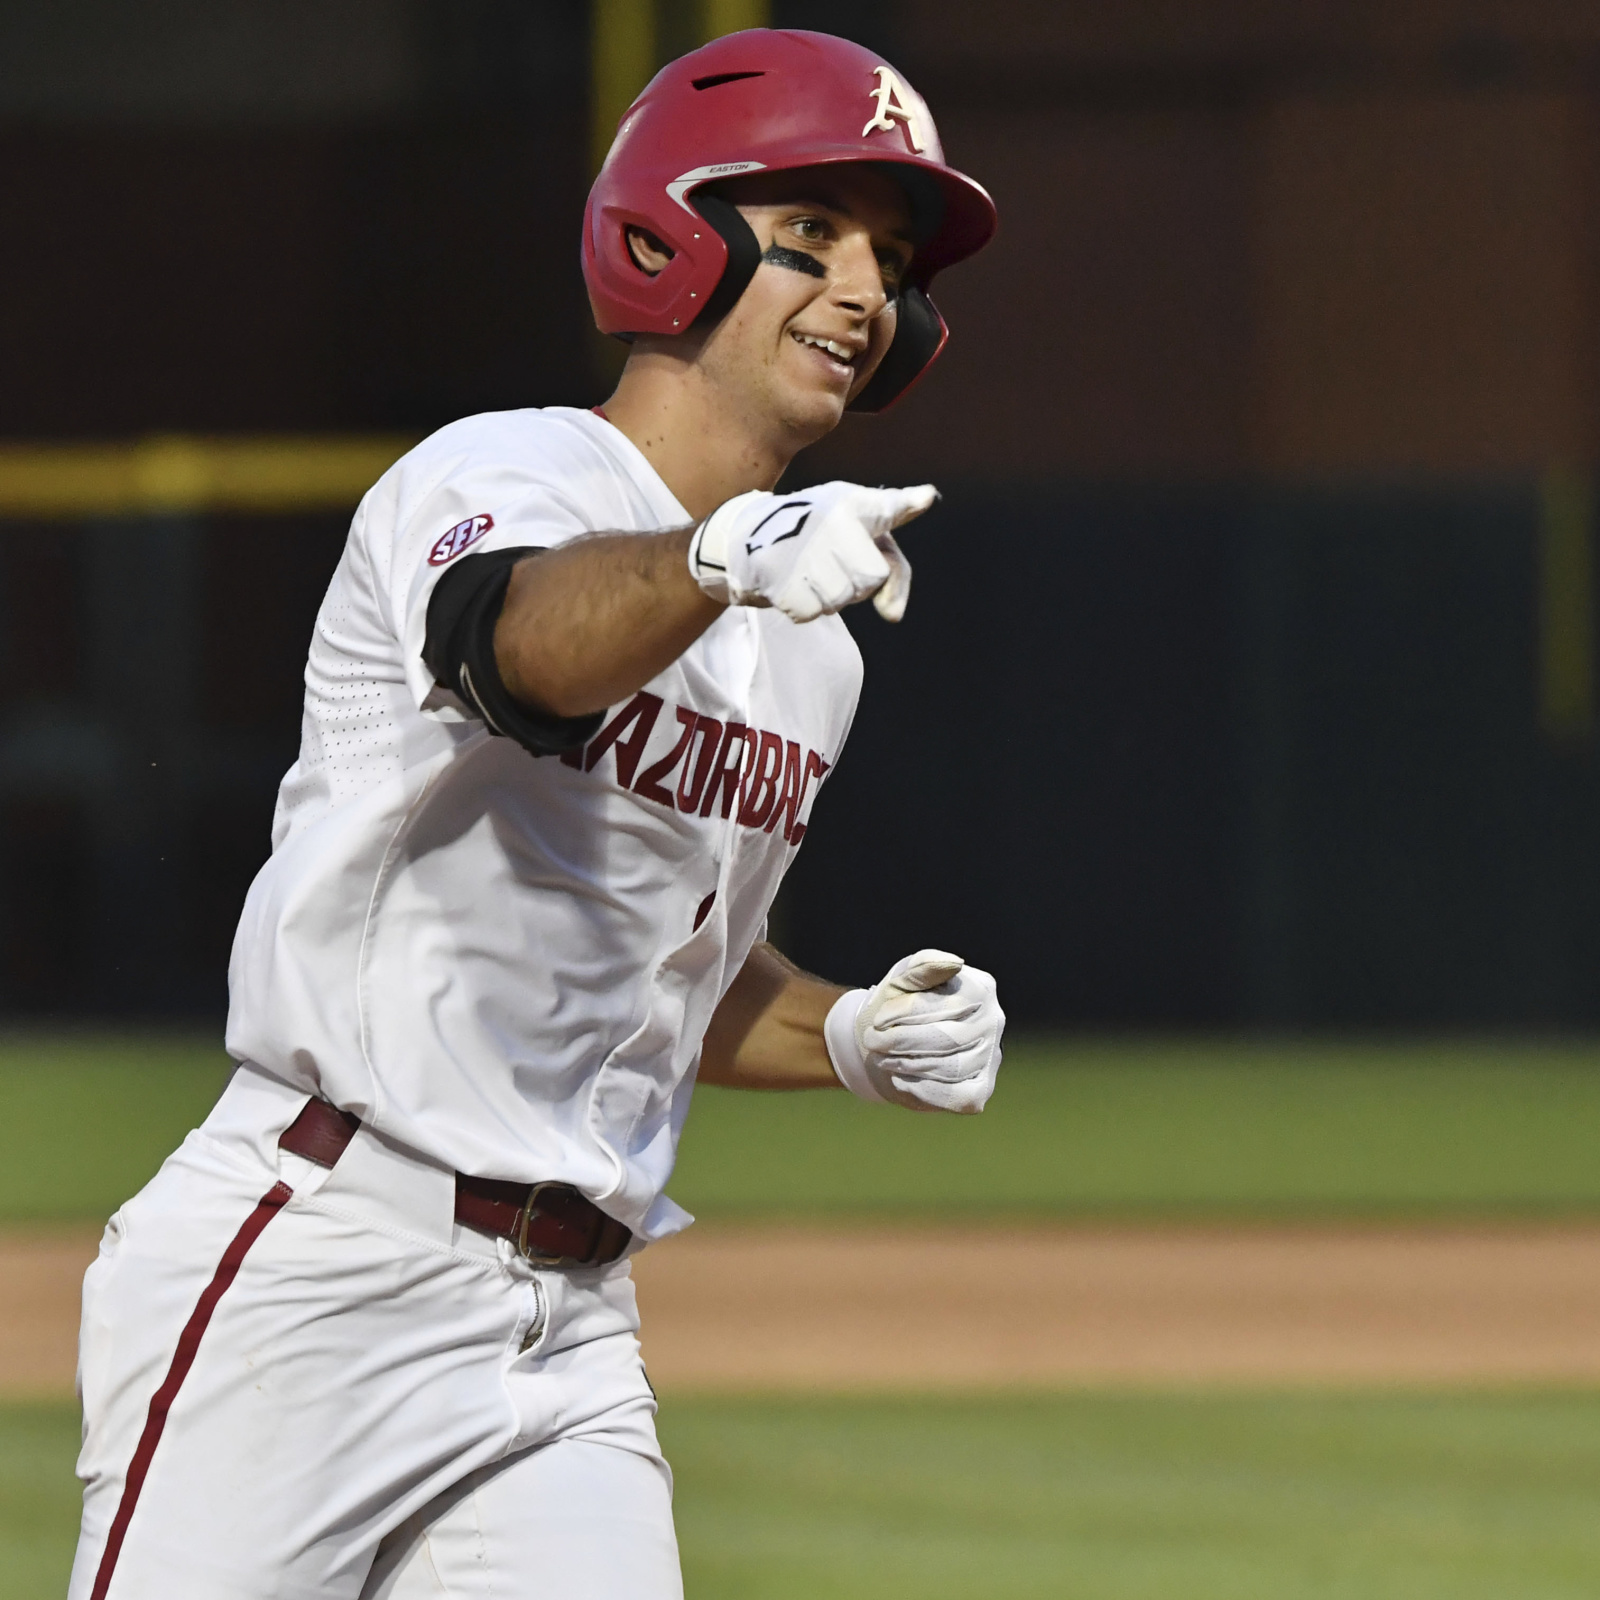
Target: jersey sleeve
[472, 507]
[460, 653]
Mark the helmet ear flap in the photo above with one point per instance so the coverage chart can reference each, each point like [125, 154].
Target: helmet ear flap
[744, 256]
[919, 335]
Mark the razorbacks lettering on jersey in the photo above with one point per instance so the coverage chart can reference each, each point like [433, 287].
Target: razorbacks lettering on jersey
[508, 962]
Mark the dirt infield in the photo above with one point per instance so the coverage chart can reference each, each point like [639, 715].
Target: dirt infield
[884, 1308]
[1081, 1306]
[40, 1273]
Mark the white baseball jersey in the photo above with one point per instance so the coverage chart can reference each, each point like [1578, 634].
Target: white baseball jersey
[507, 962]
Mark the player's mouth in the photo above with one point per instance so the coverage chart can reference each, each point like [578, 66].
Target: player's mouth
[836, 356]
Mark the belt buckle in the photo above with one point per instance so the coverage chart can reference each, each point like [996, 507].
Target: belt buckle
[525, 1215]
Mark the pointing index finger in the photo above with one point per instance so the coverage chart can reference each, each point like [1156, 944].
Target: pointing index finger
[910, 503]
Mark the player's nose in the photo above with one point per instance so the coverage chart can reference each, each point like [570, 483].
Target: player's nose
[856, 283]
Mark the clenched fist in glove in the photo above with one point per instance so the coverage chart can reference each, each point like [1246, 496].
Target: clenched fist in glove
[809, 553]
[928, 1037]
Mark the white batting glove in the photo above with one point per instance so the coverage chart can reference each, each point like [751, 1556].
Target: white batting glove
[809, 553]
[928, 1037]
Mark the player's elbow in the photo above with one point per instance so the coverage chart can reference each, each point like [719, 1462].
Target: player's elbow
[536, 651]
[563, 702]
[542, 686]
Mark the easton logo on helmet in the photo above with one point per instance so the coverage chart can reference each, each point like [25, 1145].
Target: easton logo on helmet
[718, 169]
[461, 537]
[896, 100]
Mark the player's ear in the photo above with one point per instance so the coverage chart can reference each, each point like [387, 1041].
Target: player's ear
[648, 252]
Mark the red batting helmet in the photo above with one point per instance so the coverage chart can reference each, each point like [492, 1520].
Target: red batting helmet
[768, 100]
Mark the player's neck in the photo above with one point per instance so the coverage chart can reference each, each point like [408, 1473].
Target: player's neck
[705, 447]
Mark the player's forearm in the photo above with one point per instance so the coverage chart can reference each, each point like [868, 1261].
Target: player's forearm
[589, 623]
[767, 1033]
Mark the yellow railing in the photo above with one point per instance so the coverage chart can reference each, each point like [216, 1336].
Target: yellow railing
[626, 51]
[1566, 606]
[180, 473]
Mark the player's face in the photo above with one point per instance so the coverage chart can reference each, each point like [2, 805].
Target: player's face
[819, 314]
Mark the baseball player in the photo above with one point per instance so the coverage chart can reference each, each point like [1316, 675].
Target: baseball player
[572, 695]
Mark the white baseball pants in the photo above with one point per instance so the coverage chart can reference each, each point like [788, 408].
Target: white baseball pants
[299, 1383]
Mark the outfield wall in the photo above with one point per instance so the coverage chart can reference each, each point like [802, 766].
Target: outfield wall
[1160, 755]
[1250, 677]
[1222, 756]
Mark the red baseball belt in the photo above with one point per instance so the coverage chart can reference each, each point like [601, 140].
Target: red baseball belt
[551, 1224]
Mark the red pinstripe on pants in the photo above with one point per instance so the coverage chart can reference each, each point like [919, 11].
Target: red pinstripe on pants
[182, 1360]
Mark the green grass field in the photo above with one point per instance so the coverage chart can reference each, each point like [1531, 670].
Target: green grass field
[1086, 1129]
[1088, 1497]
[1077, 1129]
[1074, 1497]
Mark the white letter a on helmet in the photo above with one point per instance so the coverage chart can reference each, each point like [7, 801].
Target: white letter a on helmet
[896, 100]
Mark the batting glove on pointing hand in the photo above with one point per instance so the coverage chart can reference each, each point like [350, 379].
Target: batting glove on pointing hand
[928, 1037]
[809, 553]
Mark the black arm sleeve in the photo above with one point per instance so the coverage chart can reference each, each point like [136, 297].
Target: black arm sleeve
[459, 652]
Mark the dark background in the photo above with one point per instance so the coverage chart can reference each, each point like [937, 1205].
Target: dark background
[1249, 675]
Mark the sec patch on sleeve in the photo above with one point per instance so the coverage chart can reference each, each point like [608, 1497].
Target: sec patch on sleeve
[461, 537]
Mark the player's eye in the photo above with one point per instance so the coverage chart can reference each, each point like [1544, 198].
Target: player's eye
[893, 266]
[812, 229]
